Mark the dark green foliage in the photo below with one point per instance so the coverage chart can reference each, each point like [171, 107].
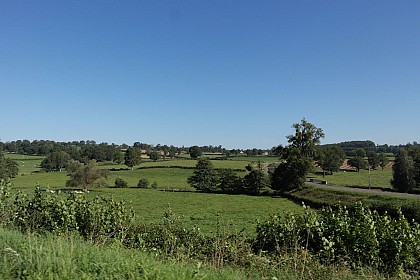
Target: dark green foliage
[306, 137]
[360, 237]
[8, 168]
[359, 152]
[331, 158]
[143, 183]
[298, 157]
[383, 160]
[291, 174]
[403, 172]
[415, 155]
[96, 219]
[56, 161]
[194, 152]
[229, 182]
[255, 181]
[204, 177]
[132, 157]
[350, 146]
[154, 156]
[357, 162]
[120, 183]
[373, 159]
[85, 175]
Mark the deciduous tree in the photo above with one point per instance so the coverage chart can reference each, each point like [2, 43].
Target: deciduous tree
[194, 152]
[383, 160]
[204, 177]
[357, 162]
[8, 168]
[331, 158]
[132, 157]
[56, 161]
[297, 157]
[403, 172]
[85, 175]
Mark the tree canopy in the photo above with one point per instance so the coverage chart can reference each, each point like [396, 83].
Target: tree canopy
[403, 172]
[8, 168]
[132, 157]
[205, 177]
[85, 175]
[195, 152]
[297, 156]
[331, 158]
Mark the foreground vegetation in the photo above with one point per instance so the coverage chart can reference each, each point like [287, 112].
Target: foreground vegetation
[309, 244]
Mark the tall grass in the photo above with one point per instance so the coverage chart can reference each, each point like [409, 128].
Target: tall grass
[69, 257]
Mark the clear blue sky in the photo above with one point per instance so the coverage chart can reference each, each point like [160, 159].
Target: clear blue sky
[230, 73]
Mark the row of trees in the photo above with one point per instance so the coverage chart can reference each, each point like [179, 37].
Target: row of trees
[297, 160]
[206, 178]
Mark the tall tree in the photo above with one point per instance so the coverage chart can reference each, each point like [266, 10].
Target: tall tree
[298, 157]
[205, 177]
[331, 158]
[403, 172]
[373, 159]
[132, 157]
[357, 162]
[306, 137]
[194, 152]
[383, 160]
[56, 161]
[255, 181]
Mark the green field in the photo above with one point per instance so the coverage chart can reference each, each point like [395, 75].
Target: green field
[27, 164]
[255, 159]
[233, 212]
[378, 178]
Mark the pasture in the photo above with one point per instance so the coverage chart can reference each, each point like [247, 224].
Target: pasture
[207, 211]
[27, 164]
[378, 178]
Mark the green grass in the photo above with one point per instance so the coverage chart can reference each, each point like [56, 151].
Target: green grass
[27, 164]
[177, 162]
[255, 159]
[235, 212]
[379, 178]
[69, 257]
[207, 211]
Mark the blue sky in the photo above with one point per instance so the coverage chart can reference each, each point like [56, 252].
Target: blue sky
[230, 73]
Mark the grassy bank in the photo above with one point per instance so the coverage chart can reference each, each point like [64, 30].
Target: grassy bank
[69, 257]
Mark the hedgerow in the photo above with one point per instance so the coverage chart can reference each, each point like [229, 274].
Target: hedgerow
[355, 237]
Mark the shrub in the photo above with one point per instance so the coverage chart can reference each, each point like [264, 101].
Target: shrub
[97, 219]
[120, 183]
[359, 237]
[143, 183]
[154, 185]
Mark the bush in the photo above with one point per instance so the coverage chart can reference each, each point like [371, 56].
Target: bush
[154, 185]
[120, 183]
[359, 237]
[143, 183]
[46, 211]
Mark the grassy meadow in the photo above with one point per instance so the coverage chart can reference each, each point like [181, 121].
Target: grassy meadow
[207, 211]
[69, 257]
[27, 164]
[379, 178]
